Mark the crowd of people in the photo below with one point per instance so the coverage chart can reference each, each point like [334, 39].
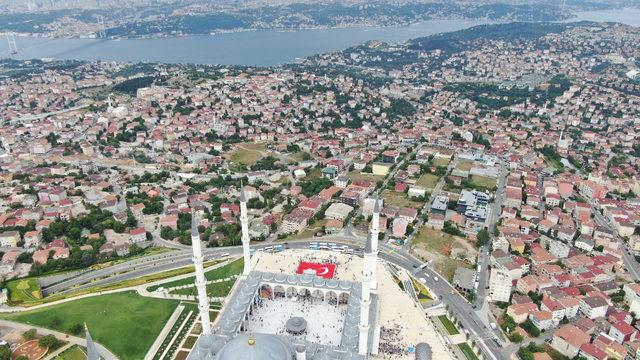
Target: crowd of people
[389, 340]
[325, 322]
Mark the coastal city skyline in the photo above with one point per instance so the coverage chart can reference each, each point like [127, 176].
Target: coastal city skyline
[310, 180]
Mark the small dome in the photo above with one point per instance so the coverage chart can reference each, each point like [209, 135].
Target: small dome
[256, 347]
[423, 351]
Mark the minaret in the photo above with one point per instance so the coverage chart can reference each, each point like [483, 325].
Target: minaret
[244, 223]
[371, 251]
[365, 302]
[92, 351]
[375, 225]
[201, 286]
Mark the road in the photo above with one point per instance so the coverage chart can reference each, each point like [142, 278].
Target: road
[478, 328]
[484, 252]
[630, 263]
[425, 209]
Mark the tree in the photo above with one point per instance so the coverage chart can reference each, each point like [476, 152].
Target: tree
[5, 352]
[515, 337]
[508, 323]
[50, 342]
[77, 328]
[530, 328]
[482, 238]
[29, 334]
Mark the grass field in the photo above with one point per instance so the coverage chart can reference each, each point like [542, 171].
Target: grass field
[464, 165]
[428, 181]
[247, 153]
[432, 240]
[125, 322]
[467, 351]
[440, 243]
[483, 182]
[449, 325]
[298, 156]
[357, 175]
[438, 161]
[73, 353]
[24, 290]
[448, 266]
[399, 199]
[220, 289]
[233, 268]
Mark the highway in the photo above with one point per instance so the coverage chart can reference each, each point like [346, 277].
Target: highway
[479, 330]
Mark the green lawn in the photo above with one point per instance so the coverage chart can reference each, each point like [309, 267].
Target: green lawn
[449, 325]
[125, 322]
[73, 353]
[395, 198]
[220, 289]
[233, 268]
[24, 290]
[467, 351]
[428, 181]
[484, 183]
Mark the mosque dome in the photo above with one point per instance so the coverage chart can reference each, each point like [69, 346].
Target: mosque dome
[256, 347]
[423, 351]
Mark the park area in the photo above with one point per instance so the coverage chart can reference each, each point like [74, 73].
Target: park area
[399, 199]
[446, 251]
[126, 323]
[30, 349]
[24, 290]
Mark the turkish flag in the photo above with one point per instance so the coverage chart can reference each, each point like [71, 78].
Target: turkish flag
[323, 270]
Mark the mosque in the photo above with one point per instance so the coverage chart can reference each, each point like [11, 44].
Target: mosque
[312, 305]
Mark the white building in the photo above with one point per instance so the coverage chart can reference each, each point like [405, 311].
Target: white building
[338, 211]
[500, 284]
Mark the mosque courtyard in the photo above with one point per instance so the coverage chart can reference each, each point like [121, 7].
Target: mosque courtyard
[324, 321]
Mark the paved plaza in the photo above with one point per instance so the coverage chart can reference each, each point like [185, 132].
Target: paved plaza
[324, 321]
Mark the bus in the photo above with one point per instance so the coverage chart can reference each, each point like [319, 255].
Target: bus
[268, 248]
[313, 243]
[278, 248]
[313, 247]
